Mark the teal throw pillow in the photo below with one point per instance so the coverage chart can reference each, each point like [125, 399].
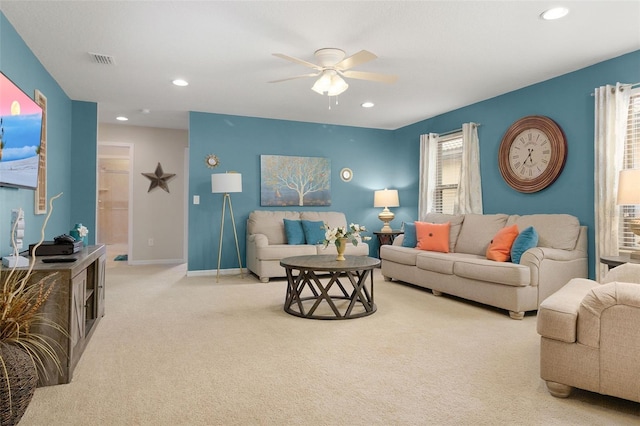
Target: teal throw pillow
[524, 241]
[313, 231]
[293, 229]
[410, 236]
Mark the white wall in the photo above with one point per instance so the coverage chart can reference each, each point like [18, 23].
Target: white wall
[157, 215]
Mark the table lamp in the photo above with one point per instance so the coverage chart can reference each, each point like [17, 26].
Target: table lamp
[226, 183]
[629, 194]
[386, 198]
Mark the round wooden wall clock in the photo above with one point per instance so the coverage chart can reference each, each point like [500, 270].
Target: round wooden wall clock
[532, 153]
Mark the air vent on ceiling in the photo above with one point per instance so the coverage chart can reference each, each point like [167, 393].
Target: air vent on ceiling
[102, 59]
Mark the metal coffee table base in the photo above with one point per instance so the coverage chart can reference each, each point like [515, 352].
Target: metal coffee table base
[319, 287]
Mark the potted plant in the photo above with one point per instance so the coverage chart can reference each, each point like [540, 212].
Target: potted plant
[23, 351]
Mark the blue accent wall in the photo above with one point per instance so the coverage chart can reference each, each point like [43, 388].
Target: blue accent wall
[567, 100]
[239, 141]
[23, 68]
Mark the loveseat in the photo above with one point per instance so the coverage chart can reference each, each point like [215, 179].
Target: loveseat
[462, 269]
[589, 335]
[268, 241]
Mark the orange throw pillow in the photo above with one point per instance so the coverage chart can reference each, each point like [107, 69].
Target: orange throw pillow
[500, 247]
[433, 236]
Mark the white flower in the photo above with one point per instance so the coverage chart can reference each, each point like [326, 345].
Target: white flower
[83, 231]
[352, 233]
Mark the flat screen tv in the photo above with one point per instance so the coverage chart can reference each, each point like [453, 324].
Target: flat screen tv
[20, 129]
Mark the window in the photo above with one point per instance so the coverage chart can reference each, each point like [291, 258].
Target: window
[448, 163]
[631, 160]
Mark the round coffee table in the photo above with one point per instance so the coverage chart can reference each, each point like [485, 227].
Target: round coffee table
[309, 297]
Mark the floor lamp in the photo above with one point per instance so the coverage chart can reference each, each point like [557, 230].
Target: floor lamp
[226, 183]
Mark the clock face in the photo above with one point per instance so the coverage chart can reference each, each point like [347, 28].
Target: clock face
[532, 153]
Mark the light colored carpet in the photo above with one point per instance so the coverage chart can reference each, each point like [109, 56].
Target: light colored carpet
[177, 350]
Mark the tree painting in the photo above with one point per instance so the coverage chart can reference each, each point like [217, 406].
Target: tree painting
[295, 181]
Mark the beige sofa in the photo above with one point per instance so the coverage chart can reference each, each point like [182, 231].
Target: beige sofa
[589, 335]
[267, 241]
[561, 254]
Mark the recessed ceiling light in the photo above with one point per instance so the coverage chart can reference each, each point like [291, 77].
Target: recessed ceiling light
[180, 82]
[122, 118]
[367, 105]
[554, 13]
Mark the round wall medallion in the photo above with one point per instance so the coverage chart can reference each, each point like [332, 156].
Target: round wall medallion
[346, 174]
[532, 153]
[212, 161]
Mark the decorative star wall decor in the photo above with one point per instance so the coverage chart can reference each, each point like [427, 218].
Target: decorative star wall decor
[159, 179]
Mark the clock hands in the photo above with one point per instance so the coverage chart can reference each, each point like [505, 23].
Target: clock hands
[529, 156]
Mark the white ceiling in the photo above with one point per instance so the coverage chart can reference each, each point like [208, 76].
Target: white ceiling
[446, 54]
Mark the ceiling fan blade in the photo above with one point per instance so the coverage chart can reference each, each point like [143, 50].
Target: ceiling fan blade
[372, 76]
[295, 77]
[297, 61]
[356, 59]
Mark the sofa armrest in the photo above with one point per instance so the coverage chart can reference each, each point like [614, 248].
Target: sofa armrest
[595, 304]
[558, 313]
[259, 240]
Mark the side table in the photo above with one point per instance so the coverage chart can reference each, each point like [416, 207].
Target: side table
[386, 238]
[613, 261]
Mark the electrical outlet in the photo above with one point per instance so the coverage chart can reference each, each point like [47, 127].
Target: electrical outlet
[196, 199]
[150, 242]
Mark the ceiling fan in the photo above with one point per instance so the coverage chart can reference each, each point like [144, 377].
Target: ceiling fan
[332, 66]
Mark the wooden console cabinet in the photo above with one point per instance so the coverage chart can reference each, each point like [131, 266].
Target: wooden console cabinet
[76, 305]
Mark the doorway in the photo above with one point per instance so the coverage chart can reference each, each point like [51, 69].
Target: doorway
[114, 189]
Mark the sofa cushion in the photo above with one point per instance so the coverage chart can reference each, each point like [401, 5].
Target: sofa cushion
[526, 239]
[500, 246]
[313, 231]
[280, 251]
[477, 231]
[333, 219]
[559, 231]
[433, 236]
[455, 221]
[270, 223]
[410, 238]
[506, 273]
[399, 254]
[362, 249]
[436, 262]
[294, 232]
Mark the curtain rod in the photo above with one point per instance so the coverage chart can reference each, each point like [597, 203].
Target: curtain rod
[456, 130]
[632, 85]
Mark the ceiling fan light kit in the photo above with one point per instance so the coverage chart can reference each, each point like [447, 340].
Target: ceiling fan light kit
[330, 84]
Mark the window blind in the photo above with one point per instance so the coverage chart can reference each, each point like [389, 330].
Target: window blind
[448, 163]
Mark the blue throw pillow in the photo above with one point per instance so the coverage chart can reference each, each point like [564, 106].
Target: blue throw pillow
[410, 236]
[293, 229]
[524, 241]
[313, 231]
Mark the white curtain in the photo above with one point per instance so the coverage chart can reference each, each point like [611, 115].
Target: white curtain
[427, 184]
[611, 109]
[469, 195]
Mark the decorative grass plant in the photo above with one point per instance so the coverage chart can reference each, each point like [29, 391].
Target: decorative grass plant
[21, 299]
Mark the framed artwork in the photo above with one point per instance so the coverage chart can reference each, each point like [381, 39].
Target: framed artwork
[40, 193]
[295, 181]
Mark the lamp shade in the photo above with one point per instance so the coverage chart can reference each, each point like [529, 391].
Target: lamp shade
[226, 182]
[386, 198]
[629, 187]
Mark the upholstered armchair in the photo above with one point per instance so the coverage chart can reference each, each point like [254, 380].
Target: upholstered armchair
[590, 335]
